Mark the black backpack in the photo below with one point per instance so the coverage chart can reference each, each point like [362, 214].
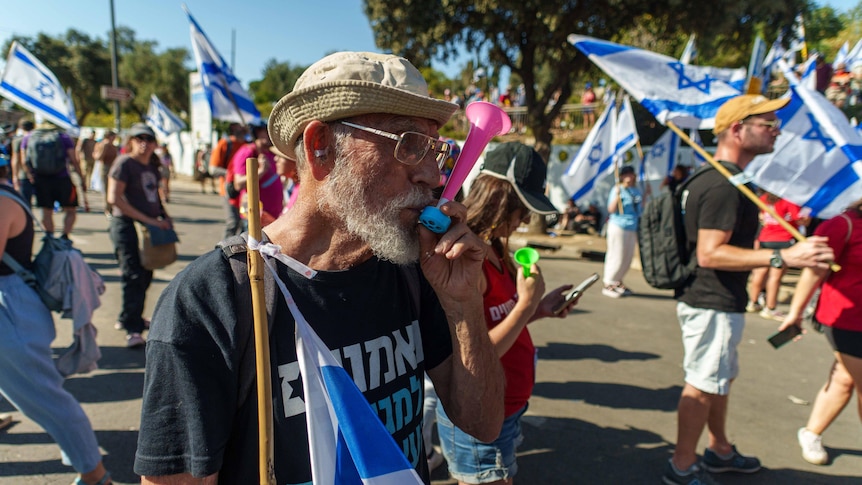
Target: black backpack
[666, 257]
[46, 154]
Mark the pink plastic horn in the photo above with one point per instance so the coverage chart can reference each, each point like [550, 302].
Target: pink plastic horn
[486, 121]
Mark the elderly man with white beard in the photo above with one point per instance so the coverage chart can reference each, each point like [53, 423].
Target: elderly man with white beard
[365, 136]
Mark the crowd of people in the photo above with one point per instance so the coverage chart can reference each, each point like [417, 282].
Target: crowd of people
[362, 135]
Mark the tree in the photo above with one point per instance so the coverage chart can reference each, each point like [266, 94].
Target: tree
[278, 80]
[529, 37]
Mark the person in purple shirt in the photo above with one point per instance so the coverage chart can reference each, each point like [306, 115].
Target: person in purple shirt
[271, 188]
[56, 187]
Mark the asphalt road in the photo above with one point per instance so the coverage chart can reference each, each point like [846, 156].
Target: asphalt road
[604, 405]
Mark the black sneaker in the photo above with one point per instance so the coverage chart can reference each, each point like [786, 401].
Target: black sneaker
[693, 476]
[736, 463]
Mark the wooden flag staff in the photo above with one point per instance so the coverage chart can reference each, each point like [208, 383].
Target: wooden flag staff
[743, 188]
[256, 268]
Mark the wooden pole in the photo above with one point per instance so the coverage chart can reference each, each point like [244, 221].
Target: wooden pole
[261, 330]
[742, 188]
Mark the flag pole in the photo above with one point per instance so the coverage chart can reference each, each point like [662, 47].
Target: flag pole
[256, 268]
[745, 190]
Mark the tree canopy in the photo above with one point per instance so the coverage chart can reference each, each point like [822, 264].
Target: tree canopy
[530, 37]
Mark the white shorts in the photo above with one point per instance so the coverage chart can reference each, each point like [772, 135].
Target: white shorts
[710, 339]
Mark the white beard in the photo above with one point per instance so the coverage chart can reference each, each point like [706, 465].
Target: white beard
[351, 195]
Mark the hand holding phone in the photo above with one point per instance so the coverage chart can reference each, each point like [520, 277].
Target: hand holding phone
[577, 291]
[780, 338]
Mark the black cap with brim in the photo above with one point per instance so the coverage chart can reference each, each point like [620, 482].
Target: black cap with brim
[524, 168]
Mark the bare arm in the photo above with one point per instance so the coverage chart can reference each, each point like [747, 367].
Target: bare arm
[714, 251]
[808, 282]
[182, 479]
[470, 382]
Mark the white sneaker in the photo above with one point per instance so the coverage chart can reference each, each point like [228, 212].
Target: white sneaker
[812, 447]
[611, 291]
[772, 314]
[753, 307]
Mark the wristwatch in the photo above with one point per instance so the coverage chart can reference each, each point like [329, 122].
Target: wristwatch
[776, 261]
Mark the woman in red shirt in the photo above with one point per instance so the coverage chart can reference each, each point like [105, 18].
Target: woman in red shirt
[840, 314]
[773, 236]
[507, 191]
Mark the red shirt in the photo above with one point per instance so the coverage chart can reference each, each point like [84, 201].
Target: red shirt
[839, 305]
[772, 230]
[519, 363]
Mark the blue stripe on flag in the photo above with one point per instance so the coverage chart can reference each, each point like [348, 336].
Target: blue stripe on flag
[352, 410]
[600, 48]
[624, 141]
[701, 111]
[36, 103]
[592, 181]
[838, 183]
[26, 59]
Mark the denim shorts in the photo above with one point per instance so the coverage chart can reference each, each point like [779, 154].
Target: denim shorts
[710, 339]
[474, 461]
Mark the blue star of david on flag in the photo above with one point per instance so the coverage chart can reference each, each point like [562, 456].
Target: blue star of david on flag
[596, 153]
[657, 150]
[45, 90]
[686, 82]
[816, 134]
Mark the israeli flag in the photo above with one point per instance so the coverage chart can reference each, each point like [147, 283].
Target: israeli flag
[28, 83]
[228, 100]
[162, 120]
[660, 159]
[690, 52]
[816, 161]
[595, 158]
[841, 56]
[854, 57]
[755, 67]
[672, 91]
[809, 72]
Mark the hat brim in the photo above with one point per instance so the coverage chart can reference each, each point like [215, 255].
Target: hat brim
[343, 99]
[534, 201]
[771, 105]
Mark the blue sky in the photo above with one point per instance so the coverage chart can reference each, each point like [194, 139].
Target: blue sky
[295, 31]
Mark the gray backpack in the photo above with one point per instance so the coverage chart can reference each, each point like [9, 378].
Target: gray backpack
[46, 154]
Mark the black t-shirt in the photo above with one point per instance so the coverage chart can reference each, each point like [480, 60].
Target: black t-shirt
[190, 422]
[142, 185]
[711, 202]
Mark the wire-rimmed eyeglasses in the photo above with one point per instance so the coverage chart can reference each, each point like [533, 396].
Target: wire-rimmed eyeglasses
[773, 124]
[411, 146]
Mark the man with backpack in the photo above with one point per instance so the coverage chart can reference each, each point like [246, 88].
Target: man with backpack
[720, 227]
[47, 152]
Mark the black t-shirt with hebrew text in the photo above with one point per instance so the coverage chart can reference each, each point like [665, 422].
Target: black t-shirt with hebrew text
[190, 422]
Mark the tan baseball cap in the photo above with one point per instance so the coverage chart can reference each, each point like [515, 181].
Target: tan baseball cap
[741, 107]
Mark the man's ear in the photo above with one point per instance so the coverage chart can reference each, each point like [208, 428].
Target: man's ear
[318, 144]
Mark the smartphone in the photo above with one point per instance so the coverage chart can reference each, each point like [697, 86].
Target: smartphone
[576, 291]
[780, 338]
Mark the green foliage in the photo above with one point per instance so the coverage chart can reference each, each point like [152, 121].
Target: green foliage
[529, 38]
[278, 80]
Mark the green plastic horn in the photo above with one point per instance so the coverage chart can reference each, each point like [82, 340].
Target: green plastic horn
[526, 257]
